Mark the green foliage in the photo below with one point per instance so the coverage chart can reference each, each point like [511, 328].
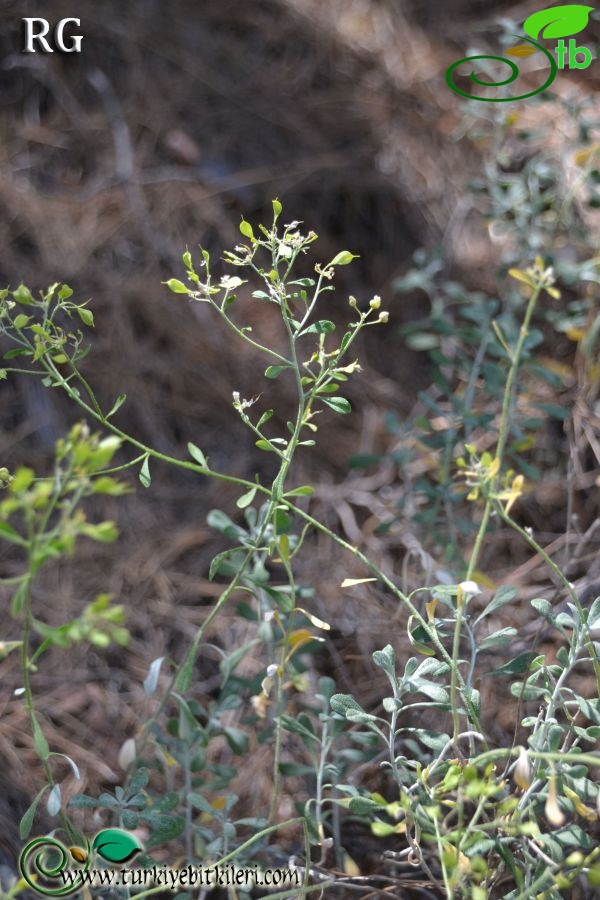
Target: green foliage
[477, 819]
[44, 518]
[529, 206]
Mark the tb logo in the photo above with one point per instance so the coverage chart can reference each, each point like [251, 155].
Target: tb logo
[36, 30]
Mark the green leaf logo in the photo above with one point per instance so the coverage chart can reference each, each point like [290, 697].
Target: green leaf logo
[115, 845]
[557, 21]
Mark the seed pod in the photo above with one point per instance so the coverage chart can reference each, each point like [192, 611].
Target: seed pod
[522, 772]
[552, 810]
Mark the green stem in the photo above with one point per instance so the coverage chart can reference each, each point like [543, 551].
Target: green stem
[503, 427]
[249, 340]
[455, 664]
[381, 576]
[503, 430]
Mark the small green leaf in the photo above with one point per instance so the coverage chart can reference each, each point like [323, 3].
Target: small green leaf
[386, 659]
[144, 475]
[515, 666]
[274, 371]
[415, 641]
[498, 638]
[115, 845]
[594, 614]
[345, 705]
[283, 545]
[65, 292]
[29, 815]
[197, 454]
[264, 445]
[178, 287]
[434, 740]
[229, 663]
[19, 597]
[237, 739]
[86, 316]
[16, 351]
[246, 230]
[435, 691]
[139, 781]
[105, 532]
[361, 806]
[117, 405]
[186, 672]
[345, 341]
[277, 208]
[219, 559]
[268, 414]
[546, 610]
[21, 320]
[503, 595]
[9, 534]
[557, 21]
[343, 258]
[338, 404]
[305, 490]
[246, 499]
[324, 326]
[382, 829]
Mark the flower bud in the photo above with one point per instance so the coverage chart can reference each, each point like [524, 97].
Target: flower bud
[375, 303]
[353, 302]
[384, 317]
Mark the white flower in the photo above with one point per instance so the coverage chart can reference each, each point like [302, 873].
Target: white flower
[231, 282]
[469, 589]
